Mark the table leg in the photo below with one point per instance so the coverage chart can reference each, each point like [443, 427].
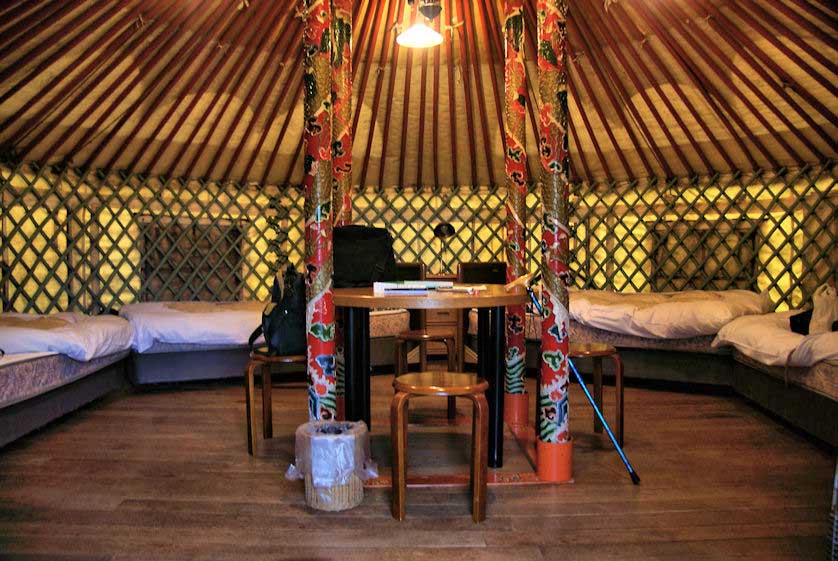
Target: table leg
[250, 406]
[267, 405]
[357, 365]
[490, 365]
[597, 366]
[423, 356]
[618, 389]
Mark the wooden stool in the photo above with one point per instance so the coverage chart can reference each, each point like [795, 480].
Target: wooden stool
[596, 352]
[442, 384]
[259, 359]
[423, 338]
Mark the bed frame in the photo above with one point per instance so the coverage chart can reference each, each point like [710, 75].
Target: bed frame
[806, 409]
[180, 363]
[26, 416]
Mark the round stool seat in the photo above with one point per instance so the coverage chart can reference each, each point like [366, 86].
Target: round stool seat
[261, 354]
[441, 383]
[421, 335]
[578, 350]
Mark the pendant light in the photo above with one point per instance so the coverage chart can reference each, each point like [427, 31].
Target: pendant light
[420, 35]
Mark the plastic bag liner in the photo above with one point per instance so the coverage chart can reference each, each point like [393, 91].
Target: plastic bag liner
[331, 452]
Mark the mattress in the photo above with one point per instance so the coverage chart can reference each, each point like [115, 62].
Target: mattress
[172, 327]
[822, 377]
[388, 323]
[581, 332]
[213, 324]
[25, 376]
[662, 315]
[768, 340]
[77, 336]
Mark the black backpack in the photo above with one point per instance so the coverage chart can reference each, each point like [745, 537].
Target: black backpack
[362, 255]
[284, 319]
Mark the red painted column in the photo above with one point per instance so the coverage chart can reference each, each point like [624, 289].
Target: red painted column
[516, 402]
[317, 182]
[554, 446]
[342, 114]
[341, 151]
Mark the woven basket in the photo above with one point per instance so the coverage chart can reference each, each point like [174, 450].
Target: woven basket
[336, 497]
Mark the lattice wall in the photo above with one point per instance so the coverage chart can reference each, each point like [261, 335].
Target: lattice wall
[88, 242]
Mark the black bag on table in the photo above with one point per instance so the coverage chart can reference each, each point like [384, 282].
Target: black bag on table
[284, 319]
[362, 255]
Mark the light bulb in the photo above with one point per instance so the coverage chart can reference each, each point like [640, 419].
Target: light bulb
[419, 36]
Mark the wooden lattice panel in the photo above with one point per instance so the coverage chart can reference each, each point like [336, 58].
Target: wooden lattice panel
[73, 240]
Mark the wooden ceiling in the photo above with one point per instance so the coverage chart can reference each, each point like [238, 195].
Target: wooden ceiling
[213, 88]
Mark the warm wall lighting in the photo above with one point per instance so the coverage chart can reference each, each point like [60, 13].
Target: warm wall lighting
[419, 36]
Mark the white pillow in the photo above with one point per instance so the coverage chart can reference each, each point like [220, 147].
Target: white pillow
[816, 348]
[766, 338]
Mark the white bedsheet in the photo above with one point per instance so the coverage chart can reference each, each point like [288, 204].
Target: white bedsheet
[207, 323]
[78, 336]
[10, 359]
[220, 323]
[664, 315]
[767, 338]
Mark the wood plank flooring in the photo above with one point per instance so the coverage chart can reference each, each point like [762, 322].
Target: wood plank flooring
[164, 476]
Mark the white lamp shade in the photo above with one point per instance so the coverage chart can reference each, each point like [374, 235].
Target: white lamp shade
[419, 36]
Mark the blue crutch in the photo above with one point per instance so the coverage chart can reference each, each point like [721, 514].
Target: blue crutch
[634, 477]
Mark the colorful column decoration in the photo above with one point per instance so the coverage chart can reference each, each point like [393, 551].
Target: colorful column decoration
[317, 182]
[554, 446]
[341, 151]
[342, 113]
[516, 402]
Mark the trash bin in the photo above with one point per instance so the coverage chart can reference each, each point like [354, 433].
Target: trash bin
[333, 458]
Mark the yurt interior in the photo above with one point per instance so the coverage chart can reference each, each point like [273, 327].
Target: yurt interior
[355, 280]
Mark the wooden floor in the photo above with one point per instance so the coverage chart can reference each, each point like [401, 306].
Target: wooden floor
[164, 475]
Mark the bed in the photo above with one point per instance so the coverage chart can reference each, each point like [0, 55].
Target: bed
[178, 341]
[794, 376]
[55, 364]
[658, 334]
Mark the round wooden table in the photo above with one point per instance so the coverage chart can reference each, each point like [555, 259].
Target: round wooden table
[491, 343]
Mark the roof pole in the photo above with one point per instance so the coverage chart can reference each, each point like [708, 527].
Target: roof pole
[554, 446]
[317, 183]
[516, 402]
[341, 152]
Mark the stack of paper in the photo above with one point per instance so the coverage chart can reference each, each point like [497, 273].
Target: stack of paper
[409, 287]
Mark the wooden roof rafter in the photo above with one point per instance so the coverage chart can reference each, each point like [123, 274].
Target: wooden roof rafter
[755, 90]
[263, 16]
[236, 30]
[469, 31]
[105, 67]
[688, 87]
[619, 100]
[242, 70]
[608, 32]
[82, 33]
[759, 62]
[106, 39]
[171, 75]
